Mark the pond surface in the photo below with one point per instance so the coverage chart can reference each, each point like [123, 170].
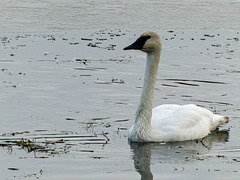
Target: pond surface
[67, 98]
[64, 15]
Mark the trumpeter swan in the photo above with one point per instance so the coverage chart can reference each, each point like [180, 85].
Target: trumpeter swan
[168, 122]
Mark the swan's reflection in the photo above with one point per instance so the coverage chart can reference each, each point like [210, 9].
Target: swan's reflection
[172, 152]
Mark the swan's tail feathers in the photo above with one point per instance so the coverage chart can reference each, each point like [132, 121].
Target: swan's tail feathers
[226, 119]
[218, 121]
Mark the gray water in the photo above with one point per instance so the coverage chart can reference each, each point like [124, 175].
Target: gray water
[64, 15]
[68, 92]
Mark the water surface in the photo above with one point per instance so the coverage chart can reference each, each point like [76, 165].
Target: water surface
[63, 15]
[68, 92]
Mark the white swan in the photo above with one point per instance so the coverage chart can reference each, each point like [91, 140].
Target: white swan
[168, 122]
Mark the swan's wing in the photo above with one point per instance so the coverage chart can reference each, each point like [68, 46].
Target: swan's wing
[175, 122]
[184, 116]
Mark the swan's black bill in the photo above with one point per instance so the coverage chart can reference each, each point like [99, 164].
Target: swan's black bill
[138, 44]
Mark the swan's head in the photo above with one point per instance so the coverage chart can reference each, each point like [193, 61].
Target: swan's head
[148, 42]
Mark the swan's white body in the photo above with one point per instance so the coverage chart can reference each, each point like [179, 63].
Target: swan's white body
[166, 122]
[172, 122]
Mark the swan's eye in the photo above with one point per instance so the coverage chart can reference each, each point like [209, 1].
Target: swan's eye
[144, 39]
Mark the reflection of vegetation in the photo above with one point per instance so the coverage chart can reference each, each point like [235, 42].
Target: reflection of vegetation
[50, 144]
[30, 145]
[37, 174]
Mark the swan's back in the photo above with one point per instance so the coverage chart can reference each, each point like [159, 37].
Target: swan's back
[186, 122]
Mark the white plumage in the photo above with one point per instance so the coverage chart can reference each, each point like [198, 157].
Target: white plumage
[167, 122]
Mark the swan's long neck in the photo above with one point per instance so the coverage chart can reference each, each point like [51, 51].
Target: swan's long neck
[144, 111]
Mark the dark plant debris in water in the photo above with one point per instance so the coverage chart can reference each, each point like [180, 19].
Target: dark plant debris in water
[13, 169]
[15, 133]
[195, 80]
[71, 119]
[49, 144]
[102, 38]
[112, 81]
[25, 144]
[37, 175]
